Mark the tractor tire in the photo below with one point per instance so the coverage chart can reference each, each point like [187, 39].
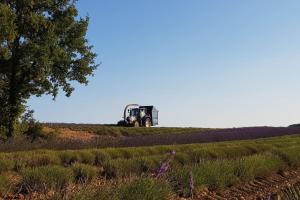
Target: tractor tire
[148, 123]
[136, 124]
[121, 123]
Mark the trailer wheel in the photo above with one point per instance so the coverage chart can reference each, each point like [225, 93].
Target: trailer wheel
[136, 124]
[148, 122]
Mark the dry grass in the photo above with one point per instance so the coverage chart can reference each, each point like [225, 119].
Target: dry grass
[68, 134]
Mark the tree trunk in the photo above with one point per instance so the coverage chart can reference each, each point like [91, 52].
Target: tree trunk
[12, 104]
[11, 129]
[13, 107]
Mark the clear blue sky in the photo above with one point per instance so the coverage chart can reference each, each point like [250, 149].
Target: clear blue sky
[205, 63]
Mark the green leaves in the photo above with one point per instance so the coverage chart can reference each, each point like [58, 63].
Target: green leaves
[7, 30]
[7, 25]
[42, 49]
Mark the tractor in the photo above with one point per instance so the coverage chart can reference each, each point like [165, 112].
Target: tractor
[139, 116]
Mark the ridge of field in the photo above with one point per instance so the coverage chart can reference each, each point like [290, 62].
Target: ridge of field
[117, 131]
[126, 173]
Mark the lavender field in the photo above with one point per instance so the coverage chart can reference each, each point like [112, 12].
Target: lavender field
[216, 135]
[101, 136]
[160, 172]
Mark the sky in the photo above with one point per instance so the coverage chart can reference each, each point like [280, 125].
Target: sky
[202, 63]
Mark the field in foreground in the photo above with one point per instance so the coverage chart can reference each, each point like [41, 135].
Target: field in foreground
[145, 173]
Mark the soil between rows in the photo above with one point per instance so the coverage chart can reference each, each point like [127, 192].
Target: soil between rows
[267, 188]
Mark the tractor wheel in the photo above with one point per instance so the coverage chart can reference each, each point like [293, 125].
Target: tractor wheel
[121, 123]
[136, 124]
[148, 122]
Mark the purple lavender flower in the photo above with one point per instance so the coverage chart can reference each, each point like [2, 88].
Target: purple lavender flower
[162, 169]
[165, 165]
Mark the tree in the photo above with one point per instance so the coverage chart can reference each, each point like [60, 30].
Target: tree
[43, 48]
[3, 103]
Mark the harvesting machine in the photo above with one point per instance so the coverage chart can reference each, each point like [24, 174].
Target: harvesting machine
[139, 116]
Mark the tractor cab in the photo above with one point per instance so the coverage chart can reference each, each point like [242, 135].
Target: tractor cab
[134, 112]
[136, 115]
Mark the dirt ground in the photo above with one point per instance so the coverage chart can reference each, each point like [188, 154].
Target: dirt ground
[259, 189]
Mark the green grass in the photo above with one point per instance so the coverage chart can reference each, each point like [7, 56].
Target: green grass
[5, 164]
[131, 167]
[83, 173]
[220, 173]
[4, 185]
[90, 192]
[127, 173]
[46, 178]
[143, 188]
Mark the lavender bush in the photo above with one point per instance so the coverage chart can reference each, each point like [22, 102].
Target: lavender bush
[165, 165]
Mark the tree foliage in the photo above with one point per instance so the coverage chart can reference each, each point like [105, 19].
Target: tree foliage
[43, 48]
